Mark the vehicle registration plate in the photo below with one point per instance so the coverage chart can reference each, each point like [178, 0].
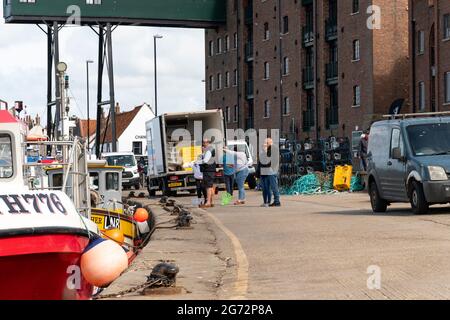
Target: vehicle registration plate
[175, 184]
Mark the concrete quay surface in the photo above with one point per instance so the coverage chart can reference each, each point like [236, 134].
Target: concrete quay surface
[313, 247]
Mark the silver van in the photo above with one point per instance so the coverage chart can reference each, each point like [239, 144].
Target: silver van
[409, 161]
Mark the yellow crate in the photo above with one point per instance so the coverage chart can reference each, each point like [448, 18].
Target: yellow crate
[189, 154]
[343, 178]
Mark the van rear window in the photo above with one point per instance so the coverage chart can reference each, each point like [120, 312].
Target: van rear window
[429, 139]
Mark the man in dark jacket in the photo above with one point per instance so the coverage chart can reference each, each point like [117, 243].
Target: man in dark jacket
[208, 168]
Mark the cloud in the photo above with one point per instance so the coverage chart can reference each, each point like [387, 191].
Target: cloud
[181, 66]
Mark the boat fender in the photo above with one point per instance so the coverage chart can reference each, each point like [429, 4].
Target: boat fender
[141, 215]
[102, 262]
[115, 235]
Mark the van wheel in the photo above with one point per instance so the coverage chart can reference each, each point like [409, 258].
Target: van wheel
[378, 204]
[419, 204]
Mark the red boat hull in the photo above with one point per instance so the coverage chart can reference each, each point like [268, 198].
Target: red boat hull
[43, 267]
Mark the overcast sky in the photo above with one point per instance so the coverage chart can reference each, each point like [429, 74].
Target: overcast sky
[181, 64]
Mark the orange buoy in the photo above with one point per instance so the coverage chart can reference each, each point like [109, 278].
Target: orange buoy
[141, 215]
[103, 262]
[116, 235]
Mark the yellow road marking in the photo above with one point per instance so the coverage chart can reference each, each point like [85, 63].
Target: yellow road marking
[241, 284]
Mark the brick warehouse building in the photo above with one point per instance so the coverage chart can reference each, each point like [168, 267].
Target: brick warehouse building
[430, 55]
[311, 68]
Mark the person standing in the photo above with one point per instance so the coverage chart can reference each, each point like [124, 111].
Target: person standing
[229, 172]
[242, 172]
[363, 146]
[208, 167]
[202, 194]
[269, 174]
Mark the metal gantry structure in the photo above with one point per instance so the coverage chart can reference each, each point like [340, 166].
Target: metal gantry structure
[103, 17]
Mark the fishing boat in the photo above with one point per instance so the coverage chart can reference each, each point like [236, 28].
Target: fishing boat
[108, 211]
[49, 247]
[42, 233]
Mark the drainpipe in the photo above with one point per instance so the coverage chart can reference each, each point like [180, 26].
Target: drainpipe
[238, 69]
[437, 55]
[280, 57]
[413, 59]
[316, 65]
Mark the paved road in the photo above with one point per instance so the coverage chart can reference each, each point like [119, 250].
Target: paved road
[321, 247]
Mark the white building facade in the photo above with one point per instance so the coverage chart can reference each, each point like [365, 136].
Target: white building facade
[131, 134]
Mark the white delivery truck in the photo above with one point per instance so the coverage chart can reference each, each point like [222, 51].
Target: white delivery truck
[170, 150]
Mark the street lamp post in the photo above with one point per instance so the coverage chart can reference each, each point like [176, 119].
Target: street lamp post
[87, 104]
[156, 75]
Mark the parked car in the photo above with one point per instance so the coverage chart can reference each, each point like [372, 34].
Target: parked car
[130, 175]
[409, 161]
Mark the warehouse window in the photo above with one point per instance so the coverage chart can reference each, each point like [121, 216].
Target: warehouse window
[227, 43]
[266, 70]
[219, 81]
[285, 24]
[235, 78]
[356, 50]
[211, 83]
[227, 79]
[266, 31]
[211, 48]
[235, 41]
[421, 96]
[267, 109]
[355, 6]
[235, 115]
[446, 26]
[285, 66]
[219, 45]
[227, 114]
[421, 42]
[447, 87]
[286, 106]
[356, 96]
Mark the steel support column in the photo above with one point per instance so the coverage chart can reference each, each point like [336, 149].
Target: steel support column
[49, 83]
[112, 100]
[57, 82]
[101, 60]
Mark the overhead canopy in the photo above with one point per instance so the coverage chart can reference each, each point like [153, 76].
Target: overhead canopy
[176, 13]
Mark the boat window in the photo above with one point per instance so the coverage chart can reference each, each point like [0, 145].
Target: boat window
[57, 181]
[6, 160]
[94, 179]
[112, 181]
